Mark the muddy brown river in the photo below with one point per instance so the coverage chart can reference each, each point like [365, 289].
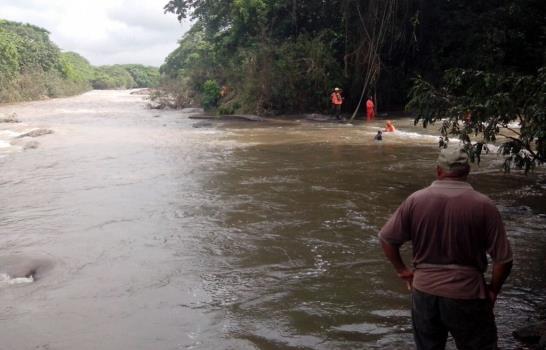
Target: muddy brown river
[128, 228]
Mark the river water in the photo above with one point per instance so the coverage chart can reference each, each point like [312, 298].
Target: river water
[128, 228]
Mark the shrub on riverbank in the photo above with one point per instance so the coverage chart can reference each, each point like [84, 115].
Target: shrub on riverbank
[33, 67]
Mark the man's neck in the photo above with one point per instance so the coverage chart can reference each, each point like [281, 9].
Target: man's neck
[447, 178]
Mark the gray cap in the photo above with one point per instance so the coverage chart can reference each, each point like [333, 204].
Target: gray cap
[452, 158]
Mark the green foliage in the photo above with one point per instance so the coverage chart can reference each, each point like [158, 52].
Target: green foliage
[9, 58]
[268, 76]
[211, 94]
[125, 76]
[144, 76]
[481, 106]
[32, 67]
[76, 67]
[35, 50]
[247, 44]
[112, 77]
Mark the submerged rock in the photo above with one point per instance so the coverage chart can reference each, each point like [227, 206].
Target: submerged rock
[31, 145]
[316, 117]
[157, 105]
[534, 333]
[192, 110]
[204, 117]
[202, 124]
[232, 117]
[15, 269]
[10, 118]
[36, 133]
[243, 117]
[145, 91]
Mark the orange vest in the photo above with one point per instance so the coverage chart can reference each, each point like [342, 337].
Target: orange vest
[336, 98]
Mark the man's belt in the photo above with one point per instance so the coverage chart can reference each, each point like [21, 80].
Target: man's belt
[447, 266]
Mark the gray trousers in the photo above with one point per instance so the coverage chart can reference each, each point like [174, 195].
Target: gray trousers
[470, 322]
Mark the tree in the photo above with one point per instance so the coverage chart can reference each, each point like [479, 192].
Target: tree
[479, 106]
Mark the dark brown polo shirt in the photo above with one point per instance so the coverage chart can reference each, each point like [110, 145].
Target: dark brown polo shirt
[452, 228]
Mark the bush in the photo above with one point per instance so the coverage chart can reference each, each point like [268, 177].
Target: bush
[32, 67]
[211, 94]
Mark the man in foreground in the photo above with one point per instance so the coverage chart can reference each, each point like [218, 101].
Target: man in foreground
[451, 228]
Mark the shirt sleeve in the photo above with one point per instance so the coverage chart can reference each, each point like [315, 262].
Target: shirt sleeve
[397, 229]
[498, 245]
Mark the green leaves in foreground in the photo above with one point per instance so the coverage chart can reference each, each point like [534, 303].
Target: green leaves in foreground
[478, 107]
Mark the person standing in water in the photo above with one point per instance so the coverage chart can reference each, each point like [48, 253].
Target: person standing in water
[370, 109]
[337, 101]
[389, 127]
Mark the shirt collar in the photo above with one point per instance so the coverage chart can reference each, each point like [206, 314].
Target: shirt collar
[452, 184]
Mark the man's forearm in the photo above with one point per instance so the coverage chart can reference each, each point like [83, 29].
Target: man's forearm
[498, 275]
[392, 253]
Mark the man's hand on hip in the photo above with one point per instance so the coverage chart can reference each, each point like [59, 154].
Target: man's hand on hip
[407, 275]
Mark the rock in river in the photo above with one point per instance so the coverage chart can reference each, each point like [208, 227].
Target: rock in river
[318, 117]
[31, 145]
[10, 118]
[192, 110]
[36, 133]
[231, 117]
[534, 333]
[203, 124]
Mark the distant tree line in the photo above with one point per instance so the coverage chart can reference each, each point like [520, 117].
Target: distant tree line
[33, 67]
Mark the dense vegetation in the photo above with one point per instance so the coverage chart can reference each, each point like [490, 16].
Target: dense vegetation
[286, 55]
[476, 63]
[33, 67]
[125, 76]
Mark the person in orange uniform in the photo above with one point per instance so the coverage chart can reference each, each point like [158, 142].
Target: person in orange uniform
[337, 101]
[370, 109]
[390, 127]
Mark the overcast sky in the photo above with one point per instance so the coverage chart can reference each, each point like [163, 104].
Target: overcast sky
[103, 31]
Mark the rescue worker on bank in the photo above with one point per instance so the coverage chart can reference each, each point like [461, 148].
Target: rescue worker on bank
[337, 101]
[370, 109]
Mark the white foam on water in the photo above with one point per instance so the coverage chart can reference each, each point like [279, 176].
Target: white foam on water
[207, 132]
[8, 134]
[514, 125]
[407, 135]
[412, 135]
[5, 279]
[492, 148]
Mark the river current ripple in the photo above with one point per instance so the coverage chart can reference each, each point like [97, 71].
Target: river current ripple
[127, 228]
